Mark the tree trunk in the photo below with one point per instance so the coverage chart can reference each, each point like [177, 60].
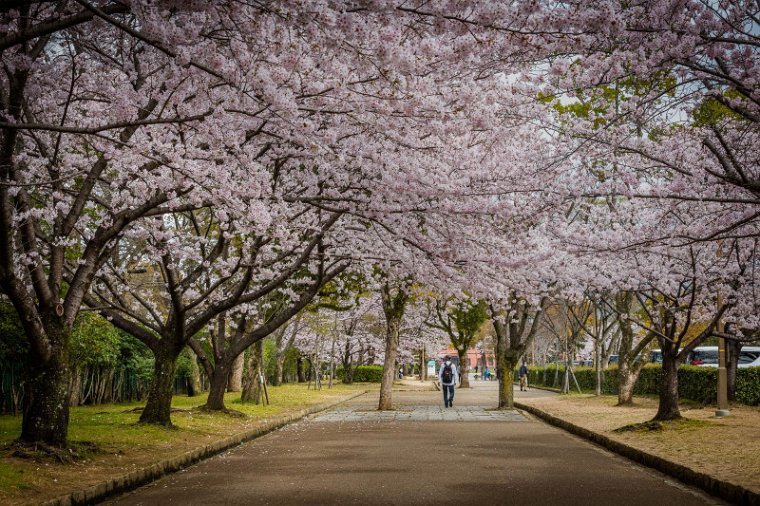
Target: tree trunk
[423, 366]
[348, 364]
[668, 407]
[252, 387]
[627, 377]
[598, 366]
[300, 369]
[75, 398]
[505, 370]
[235, 380]
[279, 367]
[47, 394]
[389, 366]
[733, 348]
[464, 369]
[194, 381]
[159, 403]
[219, 378]
[393, 308]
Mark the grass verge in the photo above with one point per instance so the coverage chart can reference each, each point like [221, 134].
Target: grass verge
[121, 445]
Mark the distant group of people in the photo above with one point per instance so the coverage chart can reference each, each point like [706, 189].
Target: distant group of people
[448, 377]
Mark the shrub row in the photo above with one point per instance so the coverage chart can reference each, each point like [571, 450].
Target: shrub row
[698, 384]
[364, 373]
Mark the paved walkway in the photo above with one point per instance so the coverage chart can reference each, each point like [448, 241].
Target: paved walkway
[420, 454]
[420, 414]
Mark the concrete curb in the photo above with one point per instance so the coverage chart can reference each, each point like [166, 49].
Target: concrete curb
[140, 477]
[727, 491]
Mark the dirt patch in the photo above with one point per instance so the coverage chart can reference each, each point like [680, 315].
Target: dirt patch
[726, 448]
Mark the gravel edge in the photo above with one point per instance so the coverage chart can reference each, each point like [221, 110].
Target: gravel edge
[140, 477]
[722, 489]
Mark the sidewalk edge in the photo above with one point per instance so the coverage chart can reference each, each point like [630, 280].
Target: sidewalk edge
[722, 489]
[140, 477]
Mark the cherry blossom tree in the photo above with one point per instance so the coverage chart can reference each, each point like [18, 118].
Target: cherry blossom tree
[516, 322]
[168, 106]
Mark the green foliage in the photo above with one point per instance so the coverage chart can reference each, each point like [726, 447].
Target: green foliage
[94, 341]
[748, 386]
[98, 350]
[711, 112]
[364, 374]
[594, 103]
[469, 316]
[341, 293]
[698, 384]
[184, 364]
[13, 343]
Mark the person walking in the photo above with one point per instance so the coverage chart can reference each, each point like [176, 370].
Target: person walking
[447, 376]
[523, 373]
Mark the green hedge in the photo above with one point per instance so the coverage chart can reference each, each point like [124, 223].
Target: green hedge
[364, 374]
[695, 383]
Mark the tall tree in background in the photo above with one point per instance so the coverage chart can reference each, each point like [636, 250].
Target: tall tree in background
[460, 320]
[516, 323]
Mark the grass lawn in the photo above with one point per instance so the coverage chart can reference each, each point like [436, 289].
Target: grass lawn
[122, 445]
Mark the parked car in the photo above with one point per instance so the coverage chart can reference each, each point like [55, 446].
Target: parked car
[707, 356]
[749, 356]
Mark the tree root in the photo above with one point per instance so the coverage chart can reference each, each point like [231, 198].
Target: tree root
[140, 409]
[230, 412]
[650, 426]
[40, 451]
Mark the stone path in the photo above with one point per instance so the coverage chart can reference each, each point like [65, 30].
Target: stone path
[420, 414]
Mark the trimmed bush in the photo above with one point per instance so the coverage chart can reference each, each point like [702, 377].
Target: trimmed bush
[364, 374]
[698, 384]
[748, 386]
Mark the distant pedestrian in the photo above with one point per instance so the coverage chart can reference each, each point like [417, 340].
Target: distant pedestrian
[447, 375]
[523, 373]
[486, 374]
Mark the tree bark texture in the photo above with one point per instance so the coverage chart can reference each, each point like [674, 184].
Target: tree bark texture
[300, 369]
[506, 372]
[627, 376]
[252, 386]
[393, 307]
[668, 406]
[218, 387]
[194, 382]
[733, 348]
[389, 366]
[464, 369]
[235, 381]
[47, 393]
[159, 403]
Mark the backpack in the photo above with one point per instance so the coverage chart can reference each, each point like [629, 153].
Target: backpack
[448, 374]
